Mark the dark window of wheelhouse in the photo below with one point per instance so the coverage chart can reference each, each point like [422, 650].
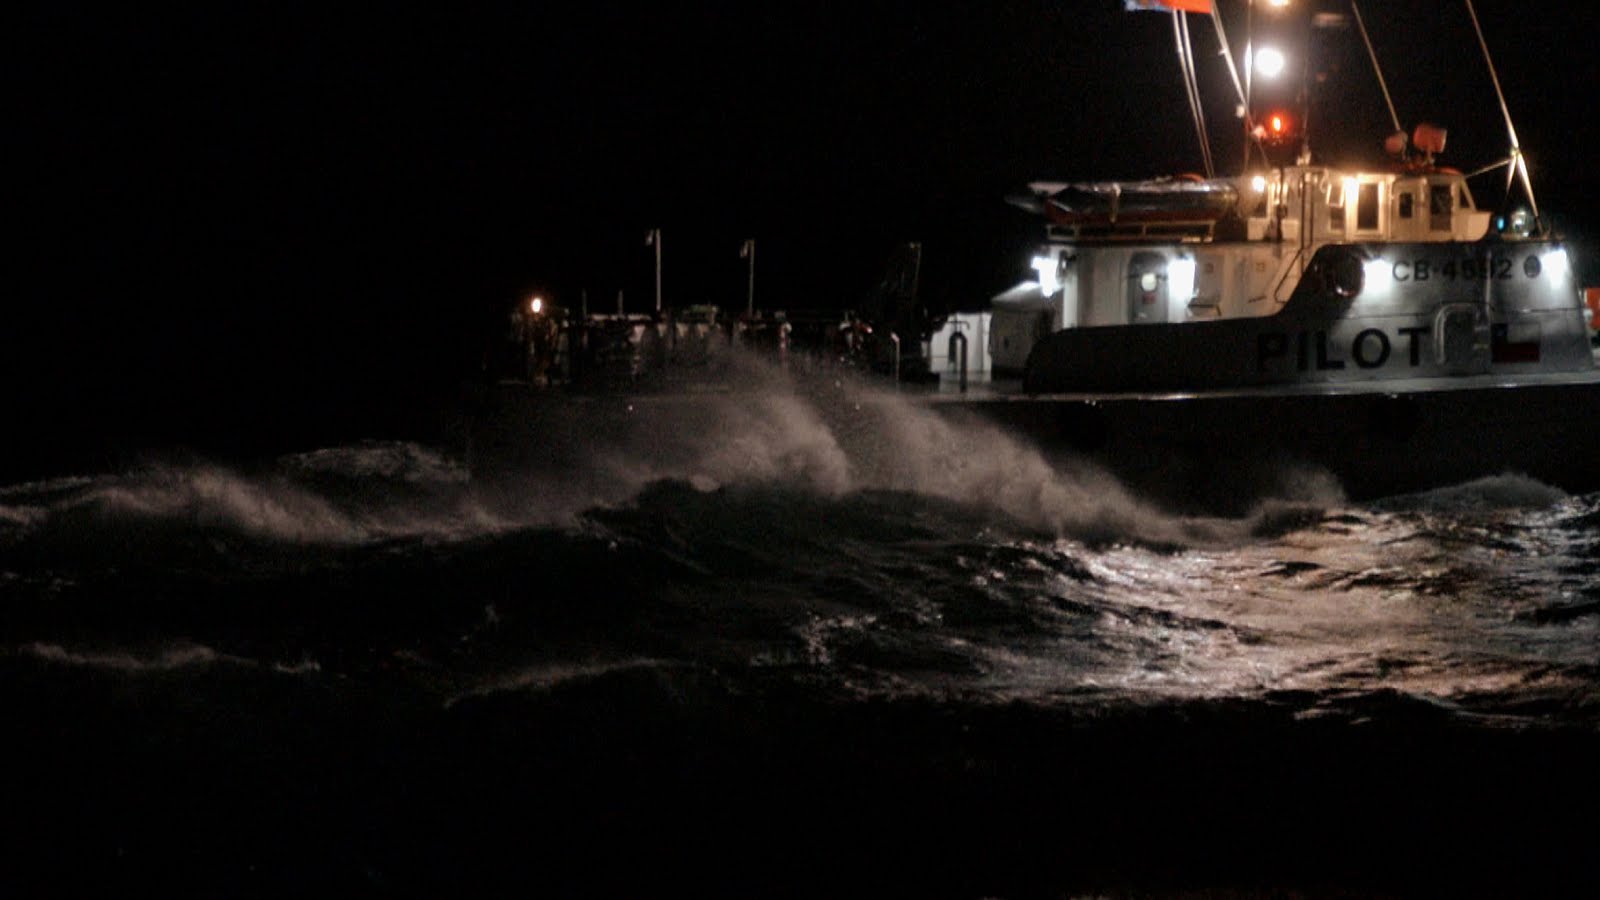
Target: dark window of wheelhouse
[1439, 207]
[1367, 208]
[1407, 201]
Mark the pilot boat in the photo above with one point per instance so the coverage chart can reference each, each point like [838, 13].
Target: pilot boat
[1213, 341]
[1210, 339]
[1371, 324]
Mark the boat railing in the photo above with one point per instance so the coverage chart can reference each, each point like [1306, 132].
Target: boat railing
[1193, 231]
[1295, 267]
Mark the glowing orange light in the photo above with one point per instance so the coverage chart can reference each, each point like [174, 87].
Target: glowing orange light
[1278, 124]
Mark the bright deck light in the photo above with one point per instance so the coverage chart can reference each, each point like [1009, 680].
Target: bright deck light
[1379, 275]
[1269, 62]
[1180, 286]
[1556, 264]
[1046, 267]
[535, 305]
[1258, 183]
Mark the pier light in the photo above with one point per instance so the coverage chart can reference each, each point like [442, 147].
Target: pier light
[536, 305]
[1046, 267]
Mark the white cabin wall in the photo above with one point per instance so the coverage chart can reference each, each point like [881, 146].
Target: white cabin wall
[1256, 278]
[1210, 284]
[1104, 303]
[1069, 303]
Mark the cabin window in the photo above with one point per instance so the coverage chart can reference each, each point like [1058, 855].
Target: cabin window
[1335, 200]
[1367, 208]
[1439, 207]
[1407, 202]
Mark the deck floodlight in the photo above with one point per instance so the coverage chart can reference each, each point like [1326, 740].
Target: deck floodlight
[1269, 62]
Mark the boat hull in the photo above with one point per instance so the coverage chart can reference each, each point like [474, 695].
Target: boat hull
[1225, 452]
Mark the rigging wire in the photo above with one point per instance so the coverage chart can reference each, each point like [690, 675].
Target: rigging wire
[1194, 82]
[1489, 168]
[1375, 67]
[1227, 54]
[1180, 31]
[1519, 163]
[1233, 72]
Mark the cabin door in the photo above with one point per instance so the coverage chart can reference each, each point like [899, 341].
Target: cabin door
[1462, 342]
[1147, 287]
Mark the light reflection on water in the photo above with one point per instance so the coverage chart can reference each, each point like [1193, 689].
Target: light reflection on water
[1448, 608]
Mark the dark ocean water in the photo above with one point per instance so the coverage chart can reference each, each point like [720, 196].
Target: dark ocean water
[785, 657]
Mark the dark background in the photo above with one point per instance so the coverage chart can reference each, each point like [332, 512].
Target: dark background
[253, 225]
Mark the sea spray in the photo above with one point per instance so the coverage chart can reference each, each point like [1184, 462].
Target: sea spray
[834, 432]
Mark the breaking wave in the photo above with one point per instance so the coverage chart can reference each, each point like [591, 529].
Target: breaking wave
[822, 432]
[337, 497]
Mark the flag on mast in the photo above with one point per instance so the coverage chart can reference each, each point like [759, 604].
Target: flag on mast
[650, 238]
[1203, 7]
[746, 247]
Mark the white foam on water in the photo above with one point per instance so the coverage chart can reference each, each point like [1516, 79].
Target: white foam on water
[336, 496]
[180, 656]
[1507, 491]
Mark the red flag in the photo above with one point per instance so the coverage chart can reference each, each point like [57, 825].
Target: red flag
[1195, 6]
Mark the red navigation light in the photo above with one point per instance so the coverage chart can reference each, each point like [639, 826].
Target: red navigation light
[1278, 127]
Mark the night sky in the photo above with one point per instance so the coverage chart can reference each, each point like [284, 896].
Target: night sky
[298, 222]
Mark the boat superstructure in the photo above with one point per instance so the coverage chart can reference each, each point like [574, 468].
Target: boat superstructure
[1311, 275]
[1290, 273]
[1203, 337]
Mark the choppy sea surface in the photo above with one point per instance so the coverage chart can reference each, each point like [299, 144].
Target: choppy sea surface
[785, 657]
